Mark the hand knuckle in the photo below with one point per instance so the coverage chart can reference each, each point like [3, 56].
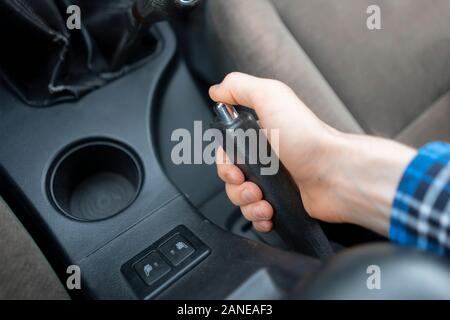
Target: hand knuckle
[232, 76]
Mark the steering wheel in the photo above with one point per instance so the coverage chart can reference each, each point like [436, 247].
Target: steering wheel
[379, 271]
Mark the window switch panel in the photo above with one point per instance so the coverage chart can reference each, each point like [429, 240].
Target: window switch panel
[164, 262]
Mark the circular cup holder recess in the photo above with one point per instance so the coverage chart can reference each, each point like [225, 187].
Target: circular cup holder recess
[95, 181]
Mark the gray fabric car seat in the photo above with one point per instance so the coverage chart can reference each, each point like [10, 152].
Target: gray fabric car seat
[392, 82]
[24, 271]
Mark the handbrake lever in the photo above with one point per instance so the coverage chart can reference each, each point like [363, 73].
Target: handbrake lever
[291, 221]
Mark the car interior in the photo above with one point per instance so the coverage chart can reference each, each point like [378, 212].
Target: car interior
[86, 122]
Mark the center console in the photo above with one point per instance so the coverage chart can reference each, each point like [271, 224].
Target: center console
[86, 178]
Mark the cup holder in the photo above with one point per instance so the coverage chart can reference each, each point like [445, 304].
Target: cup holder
[95, 181]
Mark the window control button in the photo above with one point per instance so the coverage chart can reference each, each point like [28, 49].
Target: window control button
[152, 268]
[177, 249]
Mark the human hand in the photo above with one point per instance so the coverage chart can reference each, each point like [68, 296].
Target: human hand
[304, 142]
[341, 177]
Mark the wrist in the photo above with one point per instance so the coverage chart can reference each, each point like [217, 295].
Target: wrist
[321, 177]
[366, 178]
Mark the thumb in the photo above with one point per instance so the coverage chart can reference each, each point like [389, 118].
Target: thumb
[249, 91]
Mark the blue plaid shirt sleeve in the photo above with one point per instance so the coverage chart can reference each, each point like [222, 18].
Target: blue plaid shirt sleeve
[420, 214]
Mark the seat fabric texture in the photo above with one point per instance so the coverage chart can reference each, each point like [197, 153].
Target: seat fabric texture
[25, 274]
[393, 82]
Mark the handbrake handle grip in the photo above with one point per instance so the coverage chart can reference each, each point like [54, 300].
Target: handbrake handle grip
[291, 221]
